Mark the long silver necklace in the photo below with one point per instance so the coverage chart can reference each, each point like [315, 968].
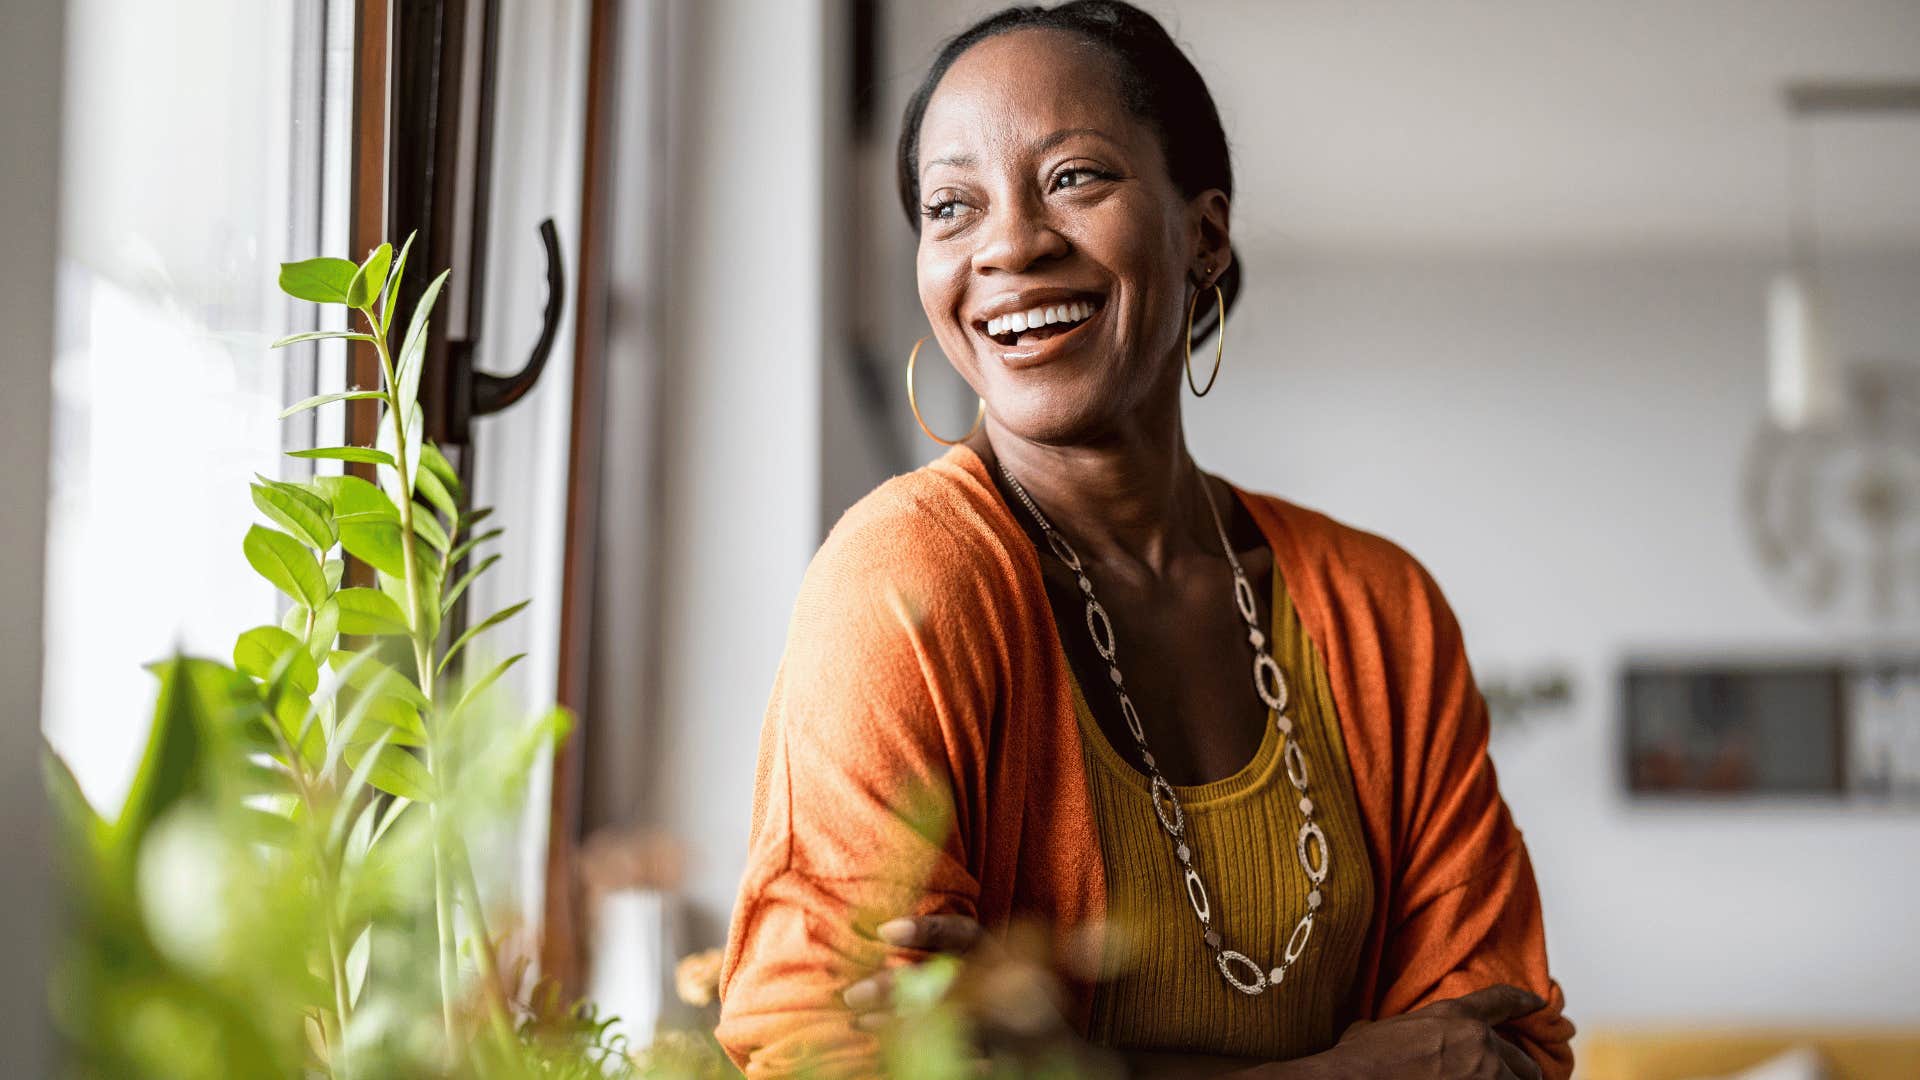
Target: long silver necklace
[1241, 971]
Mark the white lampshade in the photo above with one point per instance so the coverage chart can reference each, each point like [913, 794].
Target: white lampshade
[1801, 376]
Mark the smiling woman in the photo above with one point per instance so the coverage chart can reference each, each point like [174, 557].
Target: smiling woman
[1063, 678]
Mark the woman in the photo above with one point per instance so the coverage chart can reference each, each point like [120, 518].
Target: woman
[1062, 674]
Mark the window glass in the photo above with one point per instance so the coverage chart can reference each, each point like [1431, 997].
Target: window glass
[200, 150]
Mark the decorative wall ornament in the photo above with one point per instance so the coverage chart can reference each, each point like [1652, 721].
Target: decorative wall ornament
[1832, 477]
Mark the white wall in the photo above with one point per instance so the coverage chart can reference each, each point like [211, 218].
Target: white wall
[1560, 443]
[30, 62]
[740, 396]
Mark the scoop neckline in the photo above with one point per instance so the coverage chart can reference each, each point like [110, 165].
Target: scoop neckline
[1244, 781]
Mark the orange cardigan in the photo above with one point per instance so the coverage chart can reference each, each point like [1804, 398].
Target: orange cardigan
[920, 754]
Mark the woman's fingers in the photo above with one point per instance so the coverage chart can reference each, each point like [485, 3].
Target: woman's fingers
[1496, 1004]
[869, 993]
[925, 933]
[1517, 1060]
[932, 933]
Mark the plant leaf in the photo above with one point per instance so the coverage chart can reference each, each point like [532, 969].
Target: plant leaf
[393, 812]
[335, 569]
[488, 623]
[359, 955]
[79, 827]
[345, 453]
[287, 564]
[395, 771]
[479, 686]
[370, 611]
[321, 281]
[392, 290]
[328, 399]
[429, 485]
[376, 543]
[466, 579]
[362, 758]
[475, 517]
[297, 510]
[371, 676]
[394, 720]
[385, 441]
[436, 462]
[427, 528]
[406, 374]
[320, 335]
[417, 332]
[367, 520]
[326, 621]
[197, 699]
[260, 650]
[352, 496]
[370, 277]
[428, 582]
[460, 552]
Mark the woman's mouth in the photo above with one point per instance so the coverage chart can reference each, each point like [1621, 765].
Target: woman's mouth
[1039, 323]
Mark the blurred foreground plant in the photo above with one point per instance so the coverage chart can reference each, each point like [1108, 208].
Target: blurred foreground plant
[289, 886]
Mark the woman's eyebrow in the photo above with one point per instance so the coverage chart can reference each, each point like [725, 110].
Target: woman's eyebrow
[967, 161]
[1064, 134]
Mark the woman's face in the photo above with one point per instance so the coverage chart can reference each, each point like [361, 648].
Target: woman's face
[1043, 201]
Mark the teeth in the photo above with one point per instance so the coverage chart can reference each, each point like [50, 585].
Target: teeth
[1041, 316]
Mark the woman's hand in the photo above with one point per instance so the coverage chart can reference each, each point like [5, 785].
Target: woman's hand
[1447, 1039]
[924, 935]
[1004, 989]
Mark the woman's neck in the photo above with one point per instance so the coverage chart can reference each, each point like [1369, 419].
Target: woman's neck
[1134, 499]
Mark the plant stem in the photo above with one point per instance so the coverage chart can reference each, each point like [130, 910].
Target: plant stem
[329, 886]
[443, 914]
[337, 970]
[423, 665]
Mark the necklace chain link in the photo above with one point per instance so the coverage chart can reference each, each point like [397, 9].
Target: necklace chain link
[1241, 972]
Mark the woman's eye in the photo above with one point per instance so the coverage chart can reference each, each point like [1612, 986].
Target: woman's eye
[944, 210]
[1067, 178]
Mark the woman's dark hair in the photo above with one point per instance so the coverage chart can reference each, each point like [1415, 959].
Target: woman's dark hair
[1158, 85]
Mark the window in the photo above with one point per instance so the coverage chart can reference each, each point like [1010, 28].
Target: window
[203, 144]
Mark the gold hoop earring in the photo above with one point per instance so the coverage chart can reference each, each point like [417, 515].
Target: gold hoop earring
[1220, 342]
[979, 413]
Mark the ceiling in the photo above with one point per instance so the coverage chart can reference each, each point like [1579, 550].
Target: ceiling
[1548, 126]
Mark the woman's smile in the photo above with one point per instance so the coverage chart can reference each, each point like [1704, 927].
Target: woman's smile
[1034, 326]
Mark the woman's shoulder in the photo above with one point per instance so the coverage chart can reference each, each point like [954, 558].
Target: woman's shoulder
[924, 538]
[1346, 555]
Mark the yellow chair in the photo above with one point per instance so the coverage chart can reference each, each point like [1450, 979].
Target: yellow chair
[1689, 1054]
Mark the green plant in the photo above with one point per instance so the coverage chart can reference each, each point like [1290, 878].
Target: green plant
[289, 886]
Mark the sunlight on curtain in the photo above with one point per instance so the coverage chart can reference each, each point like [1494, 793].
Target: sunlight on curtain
[521, 454]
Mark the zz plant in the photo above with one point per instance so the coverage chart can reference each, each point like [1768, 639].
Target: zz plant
[290, 886]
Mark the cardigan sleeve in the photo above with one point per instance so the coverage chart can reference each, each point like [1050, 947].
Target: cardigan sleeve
[1465, 912]
[855, 815]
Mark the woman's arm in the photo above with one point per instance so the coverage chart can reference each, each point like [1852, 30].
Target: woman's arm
[1455, 1037]
[1451, 1038]
[1464, 911]
[854, 813]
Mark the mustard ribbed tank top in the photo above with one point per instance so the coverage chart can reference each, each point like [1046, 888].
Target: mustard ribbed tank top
[1163, 990]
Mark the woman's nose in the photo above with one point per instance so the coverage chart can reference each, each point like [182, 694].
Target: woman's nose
[1015, 237]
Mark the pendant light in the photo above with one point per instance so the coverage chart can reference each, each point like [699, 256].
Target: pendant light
[1801, 374]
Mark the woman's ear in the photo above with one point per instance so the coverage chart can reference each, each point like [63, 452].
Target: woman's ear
[1209, 214]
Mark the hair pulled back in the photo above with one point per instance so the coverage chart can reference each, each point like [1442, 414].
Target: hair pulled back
[1158, 85]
